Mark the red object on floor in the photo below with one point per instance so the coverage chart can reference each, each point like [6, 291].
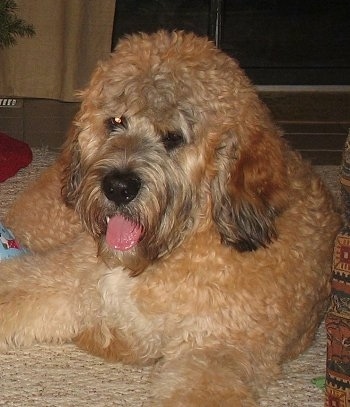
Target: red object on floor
[14, 155]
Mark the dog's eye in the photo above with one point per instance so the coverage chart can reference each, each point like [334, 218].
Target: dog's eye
[115, 123]
[172, 140]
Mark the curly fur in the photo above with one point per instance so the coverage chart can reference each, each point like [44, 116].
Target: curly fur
[231, 275]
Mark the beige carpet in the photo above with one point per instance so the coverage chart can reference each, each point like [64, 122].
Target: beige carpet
[64, 376]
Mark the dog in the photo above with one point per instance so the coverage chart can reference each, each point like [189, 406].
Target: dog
[176, 228]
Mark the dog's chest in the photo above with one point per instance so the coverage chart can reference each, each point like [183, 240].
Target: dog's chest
[157, 319]
[121, 311]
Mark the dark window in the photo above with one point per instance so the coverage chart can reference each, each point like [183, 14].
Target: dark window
[300, 42]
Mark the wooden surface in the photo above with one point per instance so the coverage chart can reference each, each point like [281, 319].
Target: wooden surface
[315, 123]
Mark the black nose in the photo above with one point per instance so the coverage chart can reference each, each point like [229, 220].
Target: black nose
[121, 187]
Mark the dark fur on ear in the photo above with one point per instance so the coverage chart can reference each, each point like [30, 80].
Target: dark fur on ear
[250, 189]
[71, 173]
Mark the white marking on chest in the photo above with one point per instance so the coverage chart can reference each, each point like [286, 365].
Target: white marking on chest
[121, 311]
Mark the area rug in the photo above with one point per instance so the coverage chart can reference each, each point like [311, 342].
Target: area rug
[54, 376]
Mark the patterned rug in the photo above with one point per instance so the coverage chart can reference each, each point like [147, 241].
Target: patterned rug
[53, 376]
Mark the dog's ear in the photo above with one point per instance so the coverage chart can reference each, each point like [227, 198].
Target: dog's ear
[71, 153]
[70, 160]
[250, 188]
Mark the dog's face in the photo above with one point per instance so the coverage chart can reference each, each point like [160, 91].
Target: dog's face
[171, 137]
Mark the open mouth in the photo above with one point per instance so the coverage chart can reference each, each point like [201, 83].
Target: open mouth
[122, 234]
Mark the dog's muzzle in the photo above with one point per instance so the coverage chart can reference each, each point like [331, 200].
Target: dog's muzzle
[121, 187]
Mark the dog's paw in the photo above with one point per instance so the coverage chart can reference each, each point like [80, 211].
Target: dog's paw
[203, 379]
[37, 303]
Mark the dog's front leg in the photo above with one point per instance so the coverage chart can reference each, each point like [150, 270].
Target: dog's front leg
[47, 298]
[39, 218]
[205, 378]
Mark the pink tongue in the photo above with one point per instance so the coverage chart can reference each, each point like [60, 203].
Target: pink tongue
[122, 234]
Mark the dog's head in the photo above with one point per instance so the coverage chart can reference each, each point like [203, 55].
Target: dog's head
[171, 136]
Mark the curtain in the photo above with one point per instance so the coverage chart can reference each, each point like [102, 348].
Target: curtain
[71, 36]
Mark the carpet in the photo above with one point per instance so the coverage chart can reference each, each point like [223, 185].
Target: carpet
[53, 376]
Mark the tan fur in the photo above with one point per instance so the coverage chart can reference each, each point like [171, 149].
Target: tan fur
[231, 276]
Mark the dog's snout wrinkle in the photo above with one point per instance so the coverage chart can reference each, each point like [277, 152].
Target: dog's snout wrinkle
[121, 187]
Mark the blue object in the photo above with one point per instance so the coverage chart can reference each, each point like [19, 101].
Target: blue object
[9, 247]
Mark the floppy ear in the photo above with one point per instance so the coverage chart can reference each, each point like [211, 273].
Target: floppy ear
[250, 188]
[70, 158]
[71, 153]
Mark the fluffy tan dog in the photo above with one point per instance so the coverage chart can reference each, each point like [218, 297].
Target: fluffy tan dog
[188, 234]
